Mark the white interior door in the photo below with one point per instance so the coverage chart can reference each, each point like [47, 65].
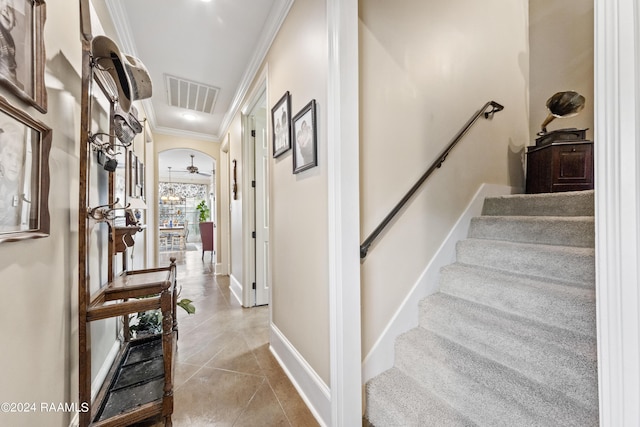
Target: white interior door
[261, 179]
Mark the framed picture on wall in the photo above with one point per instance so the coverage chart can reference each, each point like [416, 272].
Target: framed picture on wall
[24, 175]
[281, 125]
[305, 151]
[22, 55]
[140, 179]
[133, 175]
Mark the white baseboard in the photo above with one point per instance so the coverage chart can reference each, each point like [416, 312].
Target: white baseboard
[312, 389]
[221, 269]
[381, 356]
[236, 288]
[97, 382]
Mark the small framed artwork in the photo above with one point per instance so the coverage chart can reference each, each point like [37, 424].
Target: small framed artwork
[140, 179]
[24, 175]
[133, 174]
[305, 151]
[22, 56]
[281, 125]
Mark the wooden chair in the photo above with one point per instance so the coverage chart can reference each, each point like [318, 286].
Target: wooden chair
[207, 236]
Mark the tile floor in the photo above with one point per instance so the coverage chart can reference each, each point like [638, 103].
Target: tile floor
[225, 373]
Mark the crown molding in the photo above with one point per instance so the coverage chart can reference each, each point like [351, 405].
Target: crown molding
[276, 18]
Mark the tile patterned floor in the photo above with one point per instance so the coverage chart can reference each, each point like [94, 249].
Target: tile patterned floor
[225, 373]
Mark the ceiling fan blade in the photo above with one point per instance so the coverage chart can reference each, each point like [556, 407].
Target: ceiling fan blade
[203, 174]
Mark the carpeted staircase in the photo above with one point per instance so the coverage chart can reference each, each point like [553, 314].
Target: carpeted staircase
[510, 339]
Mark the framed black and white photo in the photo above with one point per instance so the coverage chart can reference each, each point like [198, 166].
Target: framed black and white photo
[305, 150]
[24, 175]
[22, 55]
[140, 180]
[281, 125]
[133, 175]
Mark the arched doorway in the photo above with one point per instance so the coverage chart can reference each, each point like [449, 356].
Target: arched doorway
[186, 180]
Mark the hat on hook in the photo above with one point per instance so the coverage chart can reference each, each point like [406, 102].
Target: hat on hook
[126, 125]
[129, 73]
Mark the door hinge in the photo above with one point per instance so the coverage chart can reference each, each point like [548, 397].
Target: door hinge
[253, 234]
[253, 286]
[253, 184]
[253, 133]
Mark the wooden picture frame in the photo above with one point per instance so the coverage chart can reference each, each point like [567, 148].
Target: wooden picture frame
[140, 179]
[304, 132]
[22, 54]
[132, 184]
[25, 144]
[281, 125]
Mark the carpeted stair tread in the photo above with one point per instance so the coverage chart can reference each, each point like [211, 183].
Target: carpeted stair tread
[511, 338]
[564, 360]
[394, 399]
[570, 203]
[547, 301]
[546, 230]
[576, 265]
[485, 391]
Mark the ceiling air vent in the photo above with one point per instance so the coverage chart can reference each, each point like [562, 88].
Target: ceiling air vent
[191, 95]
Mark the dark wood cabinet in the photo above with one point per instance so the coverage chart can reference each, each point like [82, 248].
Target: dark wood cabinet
[560, 166]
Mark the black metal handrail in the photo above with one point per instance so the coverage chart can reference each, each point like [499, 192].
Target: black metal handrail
[495, 107]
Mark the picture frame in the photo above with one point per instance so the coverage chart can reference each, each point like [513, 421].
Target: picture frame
[133, 175]
[304, 132]
[281, 125]
[140, 179]
[25, 144]
[22, 52]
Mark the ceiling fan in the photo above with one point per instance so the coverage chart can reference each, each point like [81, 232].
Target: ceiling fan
[194, 169]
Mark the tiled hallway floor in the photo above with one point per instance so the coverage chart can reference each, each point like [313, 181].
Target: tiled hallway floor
[225, 373]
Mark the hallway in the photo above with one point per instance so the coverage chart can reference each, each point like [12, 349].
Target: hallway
[225, 373]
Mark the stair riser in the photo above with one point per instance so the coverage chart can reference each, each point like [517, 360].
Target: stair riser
[550, 303]
[560, 359]
[484, 391]
[396, 400]
[574, 203]
[576, 265]
[578, 232]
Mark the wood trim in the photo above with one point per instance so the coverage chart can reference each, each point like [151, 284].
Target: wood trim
[617, 203]
[343, 212]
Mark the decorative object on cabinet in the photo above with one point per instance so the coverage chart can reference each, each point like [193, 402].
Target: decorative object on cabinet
[139, 385]
[305, 152]
[24, 175]
[281, 125]
[24, 71]
[561, 105]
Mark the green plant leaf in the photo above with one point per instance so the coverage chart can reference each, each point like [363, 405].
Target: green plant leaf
[185, 303]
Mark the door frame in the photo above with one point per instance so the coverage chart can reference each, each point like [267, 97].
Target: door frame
[617, 220]
[249, 208]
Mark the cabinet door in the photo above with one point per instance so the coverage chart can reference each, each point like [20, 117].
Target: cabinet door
[573, 167]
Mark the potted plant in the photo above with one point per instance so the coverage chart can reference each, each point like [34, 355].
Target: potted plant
[147, 323]
[203, 210]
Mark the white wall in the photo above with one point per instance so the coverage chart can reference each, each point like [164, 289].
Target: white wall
[426, 67]
[561, 58]
[38, 361]
[297, 62]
